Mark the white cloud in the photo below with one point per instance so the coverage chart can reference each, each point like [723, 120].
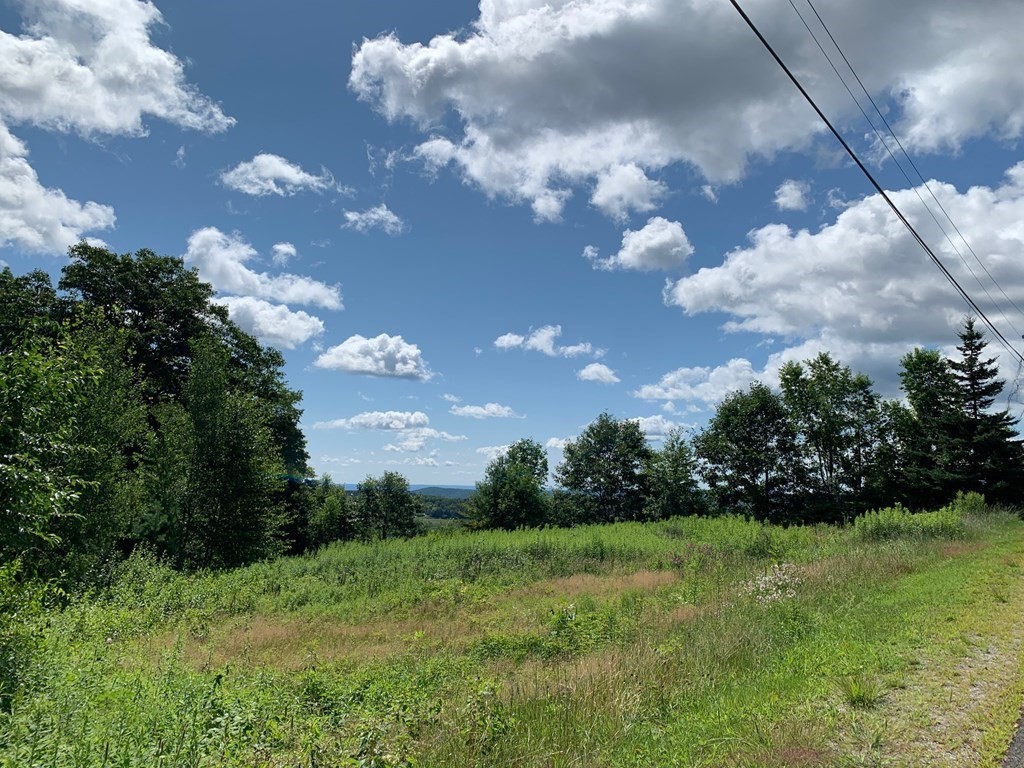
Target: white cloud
[382, 355]
[379, 217]
[547, 96]
[221, 260]
[179, 157]
[390, 420]
[597, 372]
[268, 174]
[661, 244]
[35, 217]
[866, 290]
[707, 385]
[283, 252]
[412, 440]
[543, 340]
[492, 451]
[509, 341]
[451, 398]
[792, 195]
[487, 411]
[89, 66]
[625, 188]
[557, 443]
[274, 324]
[655, 427]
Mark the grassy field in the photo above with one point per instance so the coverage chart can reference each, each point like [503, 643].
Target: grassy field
[691, 642]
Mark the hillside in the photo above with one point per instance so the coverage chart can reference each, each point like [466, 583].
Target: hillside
[685, 642]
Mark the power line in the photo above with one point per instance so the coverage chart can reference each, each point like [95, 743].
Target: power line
[878, 188]
[910, 160]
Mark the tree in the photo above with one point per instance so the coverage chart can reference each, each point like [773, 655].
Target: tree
[386, 508]
[163, 308]
[749, 456]
[671, 478]
[42, 387]
[932, 438]
[330, 517]
[992, 460]
[160, 305]
[835, 415]
[512, 494]
[603, 472]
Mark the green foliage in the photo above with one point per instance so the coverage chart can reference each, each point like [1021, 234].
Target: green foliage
[835, 415]
[672, 487]
[43, 385]
[898, 523]
[229, 516]
[512, 494]
[749, 456]
[331, 518]
[602, 473]
[386, 508]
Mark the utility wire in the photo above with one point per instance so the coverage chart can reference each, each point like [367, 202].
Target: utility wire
[878, 188]
[906, 154]
[882, 140]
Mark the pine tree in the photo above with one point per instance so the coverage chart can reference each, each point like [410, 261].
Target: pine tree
[991, 453]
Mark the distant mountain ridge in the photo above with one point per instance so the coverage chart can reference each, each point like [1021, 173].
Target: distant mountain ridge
[444, 491]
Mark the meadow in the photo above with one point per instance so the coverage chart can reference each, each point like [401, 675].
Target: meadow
[894, 641]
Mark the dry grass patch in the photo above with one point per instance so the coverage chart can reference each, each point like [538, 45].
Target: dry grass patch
[290, 643]
[597, 586]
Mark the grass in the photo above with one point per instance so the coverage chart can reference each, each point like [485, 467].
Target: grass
[692, 642]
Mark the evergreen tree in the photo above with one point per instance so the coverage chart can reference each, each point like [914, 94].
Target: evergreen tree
[991, 451]
[932, 435]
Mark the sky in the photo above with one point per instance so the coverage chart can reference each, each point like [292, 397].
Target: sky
[466, 224]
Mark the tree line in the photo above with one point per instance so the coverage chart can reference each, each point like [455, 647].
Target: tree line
[133, 412]
[824, 448]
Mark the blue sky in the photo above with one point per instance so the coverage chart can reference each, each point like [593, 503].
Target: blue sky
[465, 224]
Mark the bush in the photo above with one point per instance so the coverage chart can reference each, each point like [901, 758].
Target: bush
[897, 523]
[970, 503]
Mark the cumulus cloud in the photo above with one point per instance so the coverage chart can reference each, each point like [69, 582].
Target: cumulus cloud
[86, 66]
[89, 66]
[597, 372]
[451, 398]
[35, 217]
[379, 217]
[412, 440]
[391, 420]
[274, 324]
[486, 411]
[543, 340]
[491, 452]
[625, 188]
[792, 195]
[382, 355]
[866, 290]
[655, 427]
[221, 260]
[557, 443]
[268, 174]
[660, 245]
[283, 253]
[540, 97]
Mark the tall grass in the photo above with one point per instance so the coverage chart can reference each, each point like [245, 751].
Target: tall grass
[687, 642]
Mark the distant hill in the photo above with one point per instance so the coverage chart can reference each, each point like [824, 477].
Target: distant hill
[443, 491]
